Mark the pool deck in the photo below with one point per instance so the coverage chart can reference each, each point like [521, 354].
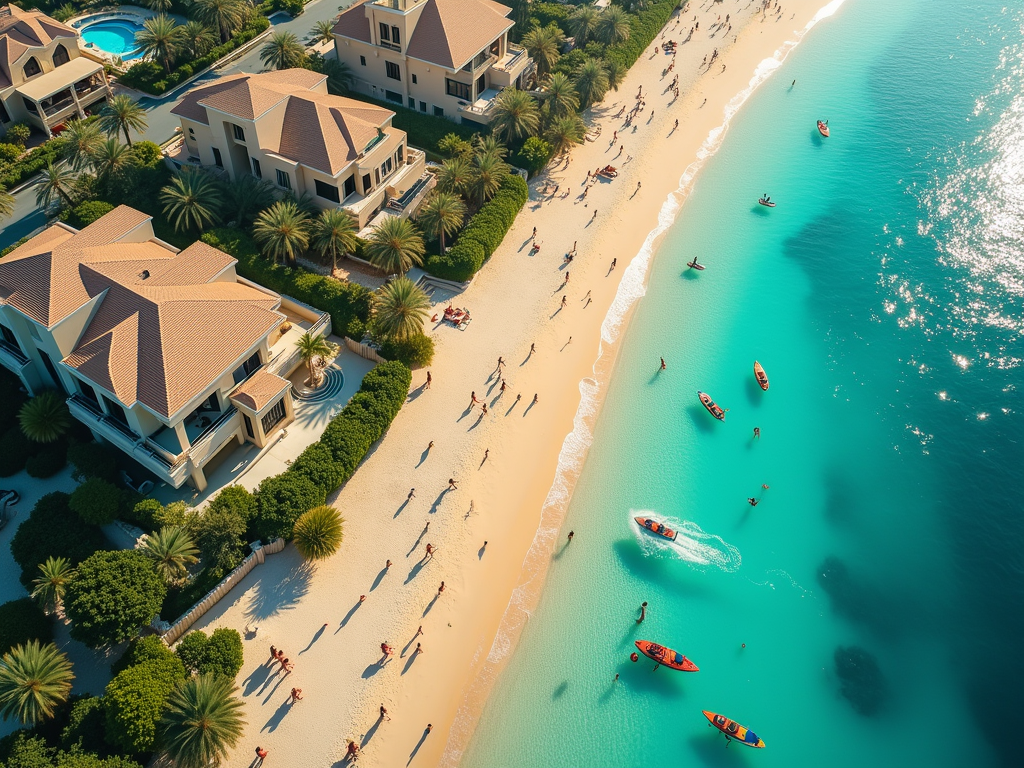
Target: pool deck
[129, 13]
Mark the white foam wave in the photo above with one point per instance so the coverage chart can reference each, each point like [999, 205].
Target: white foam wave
[692, 543]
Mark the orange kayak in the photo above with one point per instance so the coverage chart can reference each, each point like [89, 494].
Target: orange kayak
[762, 377]
[734, 731]
[652, 525]
[710, 404]
[666, 656]
[823, 128]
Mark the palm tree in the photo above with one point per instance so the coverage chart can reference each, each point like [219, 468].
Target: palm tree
[159, 38]
[616, 74]
[56, 181]
[395, 246]
[489, 145]
[442, 214]
[202, 721]
[158, 5]
[192, 200]
[322, 32]
[246, 196]
[283, 230]
[283, 51]
[111, 157]
[582, 24]
[50, 586]
[225, 16]
[334, 232]
[6, 203]
[564, 132]
[544, 45]
[172, 550]
[44, 418]
[612, 25]
[561, 96]
[81, 141]
[514, 115]
[489, 170]
[197, 39]
[311, 347]
[34, 680]
[318, 533]
[399, 309]
[591, 82]
[455, 175]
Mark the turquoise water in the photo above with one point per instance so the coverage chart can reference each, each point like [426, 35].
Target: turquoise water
[116, 37]
[885, 298]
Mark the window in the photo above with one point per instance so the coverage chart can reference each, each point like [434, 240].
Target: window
[217, 160]
[401, 153]
[456, 89]
[256, 170]
[248, 427]
[392, 96]
[376, 176]
[367, 186]
[414, 80]
[362, 60]
[385, 32]
[60, 56]
[88, 392]
[4, 117]
[48, 365]
[283, 179]
[385, 168]
[423, 107]
[412, 101]
[350, 185]
[30, 106]
[396, 37]
[241, 373]
[438, 112]
[392, 70]
[8, 335]
[273, 417]
[32, 67]
[481, 84]
[192, 132]
[327, 191]
[115, 411]
[239, 133]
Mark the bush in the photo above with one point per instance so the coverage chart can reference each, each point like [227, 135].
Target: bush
[23, 620]
[95, 501]
[19, 133]
[29, 165]
[93, 460]
[47, 462]
[482, 235]
[534, 154]
[86, 726]
[14, 451]
[147, 154]
[220, 654]
[51, 530]
[22, 749]
[84, 214]
[279, 502]
[343, 301]
[220, 530]
[9, 152]
[415, 352]
[145, 512]
[643, 28]
[141, 650]
[113, 595]
[317, 465]
[134, 701]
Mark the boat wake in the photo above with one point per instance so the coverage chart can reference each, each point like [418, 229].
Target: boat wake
[692, 544]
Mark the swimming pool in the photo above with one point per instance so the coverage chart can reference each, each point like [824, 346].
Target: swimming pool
[114, 36]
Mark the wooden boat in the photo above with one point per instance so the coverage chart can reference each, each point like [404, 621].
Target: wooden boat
[766, 202]
[666, 656]
[694, 265]
[659, 529]
[734, 731]
[762, 377]
[823, 128]
[710, 404]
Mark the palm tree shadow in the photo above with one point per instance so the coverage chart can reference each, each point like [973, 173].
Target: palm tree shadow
[271, 596]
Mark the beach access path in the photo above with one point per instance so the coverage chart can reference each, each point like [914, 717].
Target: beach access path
[313, 612]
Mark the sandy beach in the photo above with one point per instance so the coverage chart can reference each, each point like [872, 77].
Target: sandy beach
[504, 463]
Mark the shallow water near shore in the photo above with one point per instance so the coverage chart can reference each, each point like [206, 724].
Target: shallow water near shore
[885, 298]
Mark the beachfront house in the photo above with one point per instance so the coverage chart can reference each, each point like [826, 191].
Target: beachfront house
[168, 355]
[44, 78]
[447, 58]
[284, 127]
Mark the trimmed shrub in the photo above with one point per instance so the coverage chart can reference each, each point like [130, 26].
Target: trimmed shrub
[415, 352]
[146, 153]
[23, 620]
[134, 701]
[140, 650]
[279, 502]
[95, 501]
[93, 460]
[113, 595]
[221, 653]
[144, 514]
[51, 530]
[643, 28]
[86, 727]
[14, 451]
[33, 162]
[47, 462]
[9, 152]
[534, 154]
[317, 464]
[84, 214]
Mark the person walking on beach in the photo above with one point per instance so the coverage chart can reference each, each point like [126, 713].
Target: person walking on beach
[571, 534]
[273, 654]
[533, 348]
[614, 262]
[384, 713]
[430, 551]
[501, 364]
[473, 399]
[296, 695]
[663, 364]
[419, 648]
[518, 396]
[534, 233]
[452, 485]
[440, 589]
[643, 612]
[428, 379]
[535, 398]
[412, 492]
[261, 755]
[484, 409]
[503, 386]
[563, 301]
[487, 452]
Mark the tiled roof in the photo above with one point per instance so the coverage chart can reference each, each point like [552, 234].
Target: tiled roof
[260, 390]
[353, 23]
[165, 327]
[21, 30]
[244, 95]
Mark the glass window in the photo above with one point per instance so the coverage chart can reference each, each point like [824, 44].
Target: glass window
[8, 335]
[32, 67]
[385, 168]
[385, 32]
[256, 170]
[396, 38]
[392, 96]
[217, 160]
[273, 417]
[423, 107]
[414, 80]
[239, 133]
[362, 60]
[60, 56]
[283, 179]
[88, 391]
[327, 191]
[350, 185]
[401, 153]
[438, 112]
[248, 427]
[392, 70]
[412, 101]
[367, 186]
[457, 89]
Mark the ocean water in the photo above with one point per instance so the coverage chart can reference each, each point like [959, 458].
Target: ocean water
[885, 298]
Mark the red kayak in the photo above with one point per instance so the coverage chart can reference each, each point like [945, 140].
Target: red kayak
[823, 128]
[710, 404]
[734, 731]
[666, 656]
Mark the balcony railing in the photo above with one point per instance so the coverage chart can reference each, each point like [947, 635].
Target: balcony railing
[282, 363]
[512, 58]
[12, 357]
[205, 444]
[60, 105]
[390, 46]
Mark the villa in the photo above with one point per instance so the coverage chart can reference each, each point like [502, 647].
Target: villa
[168, 355]
[45, 79]
[447, 58]
[285, 128]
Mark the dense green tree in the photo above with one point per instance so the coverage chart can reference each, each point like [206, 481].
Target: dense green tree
[612, 25]
[221, 653]
[226, 16]
[135, 700]
[400, 309]
[334, 233]
[245, 197]
[514, 115]
[111, 159]
[562, 98]
[56, 184]
[544, 44]
[489, 170]
[34, 679]
[95, 501]
[318, 532]
[159, 37]
[283, 51]
[6, 203]
[591, 82]
[311, 347]
[53, 530]
[455, 175]
[21, 621]
[322, 32]
[564, 133]
[280, 500]
[395, 246]
[172, 550]
[582, 24]
[197, 39]
[203, 721]
[82, 139]
[51, 584]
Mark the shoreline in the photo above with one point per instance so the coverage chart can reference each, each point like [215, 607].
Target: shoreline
[514, 497]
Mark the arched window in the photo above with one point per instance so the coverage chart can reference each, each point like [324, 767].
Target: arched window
[60, 56]
[32, 67]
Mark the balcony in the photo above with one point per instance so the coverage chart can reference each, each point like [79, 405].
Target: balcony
[12, 358]
[390, 46]
[481, 109]
[61, 105]
[213, 436]
[510, 67]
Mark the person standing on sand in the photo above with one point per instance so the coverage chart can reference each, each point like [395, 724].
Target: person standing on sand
[533, 348]
[419, 648]
[614, 262]
[440, 589]
[261, 755]
[412, 491]
[430, 551]
[428, 379]
[535, 399]
[503, 386]
[273, 654]
[296, 695]
[563, 301]
[485, 408]
[473, 399]
[452, 485]
[663, 364]
[643, 612]
[518, 398]
[571, 534]
[534, 233]
[487, 452]
[501, 364]
[384, 713]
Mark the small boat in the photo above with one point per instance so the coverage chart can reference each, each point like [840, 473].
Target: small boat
[694, 265]
[666, 656]
[734, 731]
[652, 525]
[710, 404]
[823, 128]
[766, 202]
[762, 377]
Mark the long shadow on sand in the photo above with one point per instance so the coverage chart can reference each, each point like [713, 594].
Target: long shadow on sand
[272, 595]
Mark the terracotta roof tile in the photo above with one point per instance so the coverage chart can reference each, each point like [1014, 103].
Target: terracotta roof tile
[353, 23]
[21, 30]
[260, 390]
[451, 32]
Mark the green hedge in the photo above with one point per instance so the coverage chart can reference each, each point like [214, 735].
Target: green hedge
[23, 620]
[53, 530]
[17, 172]
[347, 303]
[643, 28]
[482, 235]
[150, 77]
[220, 654]
[424, 131]
[415, 352]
